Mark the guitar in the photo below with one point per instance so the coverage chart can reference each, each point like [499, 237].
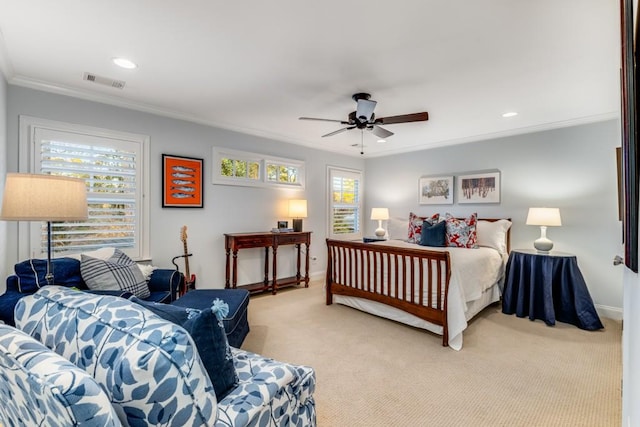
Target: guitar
[189, 279]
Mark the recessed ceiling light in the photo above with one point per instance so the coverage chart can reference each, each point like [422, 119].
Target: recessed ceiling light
[125, 63]
[510, 114]
[382, 141]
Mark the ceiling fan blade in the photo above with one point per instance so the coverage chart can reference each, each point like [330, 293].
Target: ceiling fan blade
[365, 109]
[335, 132]
[381, 132]
[323, 120]
[404, 118]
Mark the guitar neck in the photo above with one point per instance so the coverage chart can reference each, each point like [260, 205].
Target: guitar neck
[186, 261]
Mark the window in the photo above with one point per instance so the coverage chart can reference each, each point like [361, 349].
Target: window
[113, 166]
[250, 169]
[345, 206]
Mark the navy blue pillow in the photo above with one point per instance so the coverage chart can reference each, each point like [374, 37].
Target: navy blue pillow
[31, 274]
[209, 337]
[434, 235]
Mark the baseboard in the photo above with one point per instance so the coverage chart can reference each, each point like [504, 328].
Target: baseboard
[317, 275]
[614, 313]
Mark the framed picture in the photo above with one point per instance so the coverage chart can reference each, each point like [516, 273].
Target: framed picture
[435, 190]
[283, 224]
[181, 182]
[479, 188]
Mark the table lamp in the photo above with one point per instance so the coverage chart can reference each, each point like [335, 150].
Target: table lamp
[544, 217]
[380, 214]
[297, 211]
[30, 197]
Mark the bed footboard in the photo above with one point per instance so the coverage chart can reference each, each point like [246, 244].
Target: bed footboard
[412, 280]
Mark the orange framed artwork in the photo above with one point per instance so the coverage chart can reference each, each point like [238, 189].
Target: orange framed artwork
[181, 182]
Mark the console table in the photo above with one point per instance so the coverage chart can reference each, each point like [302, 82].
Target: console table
[233, 242]
[549, 287]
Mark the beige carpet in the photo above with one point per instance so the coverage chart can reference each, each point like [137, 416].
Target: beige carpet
[376, 372]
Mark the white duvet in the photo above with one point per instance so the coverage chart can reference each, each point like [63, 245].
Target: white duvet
[475, 275]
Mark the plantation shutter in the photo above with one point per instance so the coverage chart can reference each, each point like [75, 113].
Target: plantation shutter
[346, 205]
[113, 174]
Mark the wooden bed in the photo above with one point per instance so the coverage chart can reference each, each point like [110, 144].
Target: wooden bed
[415, 281]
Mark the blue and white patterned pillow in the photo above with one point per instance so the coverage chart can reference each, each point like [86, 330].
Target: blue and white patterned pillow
[118, 273]
[148, 366]
[41, 388]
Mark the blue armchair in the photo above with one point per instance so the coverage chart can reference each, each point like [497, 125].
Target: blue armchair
[163, 286]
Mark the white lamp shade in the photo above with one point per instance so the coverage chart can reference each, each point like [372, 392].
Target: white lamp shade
[544, 216]
[379, 214]
[297, 208]
[31, 197]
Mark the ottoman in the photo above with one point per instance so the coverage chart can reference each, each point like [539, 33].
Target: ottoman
[236, 324]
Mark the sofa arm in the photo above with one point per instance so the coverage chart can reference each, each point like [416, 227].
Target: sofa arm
[165, 280]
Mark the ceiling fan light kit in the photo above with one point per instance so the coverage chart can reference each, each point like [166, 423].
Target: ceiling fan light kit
[364, 118]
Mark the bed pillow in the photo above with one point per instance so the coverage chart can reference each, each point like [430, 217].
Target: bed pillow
[461, 233]
[493, 234]
[415, 225]
[31, 274]
[434, 235]
[209, 336]
[118, 273]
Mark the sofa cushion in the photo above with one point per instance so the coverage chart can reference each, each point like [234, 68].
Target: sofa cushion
[148, 366]
[31, 274]
[41, 388]
[119, 272]
[210, 338]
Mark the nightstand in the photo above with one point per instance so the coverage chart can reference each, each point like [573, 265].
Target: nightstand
[549, 287]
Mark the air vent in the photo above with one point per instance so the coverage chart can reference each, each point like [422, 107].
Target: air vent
[105, 81]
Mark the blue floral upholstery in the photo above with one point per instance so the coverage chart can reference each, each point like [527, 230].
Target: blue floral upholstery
[149, 367]
[40, 388]
[288, 389]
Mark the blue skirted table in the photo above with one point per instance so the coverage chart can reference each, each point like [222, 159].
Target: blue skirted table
[548, 287]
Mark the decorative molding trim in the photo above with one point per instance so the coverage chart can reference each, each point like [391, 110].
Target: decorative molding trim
[609, 312]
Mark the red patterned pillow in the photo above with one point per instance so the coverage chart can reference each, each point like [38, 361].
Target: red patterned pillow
[461, 233]
[415, 225]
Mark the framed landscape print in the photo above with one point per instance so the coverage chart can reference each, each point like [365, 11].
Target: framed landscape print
[435, 190]
[479, 188]
[181, 182]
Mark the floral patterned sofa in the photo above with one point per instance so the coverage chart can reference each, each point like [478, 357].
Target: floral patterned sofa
[150, 369]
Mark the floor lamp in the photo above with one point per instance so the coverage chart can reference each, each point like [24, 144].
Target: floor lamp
[30, 197]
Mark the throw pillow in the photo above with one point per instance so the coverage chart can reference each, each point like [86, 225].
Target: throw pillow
[209, 336]
[415, 225]
[117, 273]
[493, 234]
[434, 235]
[461, 233]
[31, 274]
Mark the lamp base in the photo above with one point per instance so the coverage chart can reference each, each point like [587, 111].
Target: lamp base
[543, 245]
[297, 224]
[380, 232]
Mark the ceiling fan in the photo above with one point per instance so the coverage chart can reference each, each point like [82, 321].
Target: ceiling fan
[364, 118]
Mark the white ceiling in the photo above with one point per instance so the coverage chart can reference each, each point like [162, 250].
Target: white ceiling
[256, 66]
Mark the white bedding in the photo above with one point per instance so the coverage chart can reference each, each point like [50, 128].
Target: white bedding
[475, 278]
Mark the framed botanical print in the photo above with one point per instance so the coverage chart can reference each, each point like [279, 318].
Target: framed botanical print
[182, 182]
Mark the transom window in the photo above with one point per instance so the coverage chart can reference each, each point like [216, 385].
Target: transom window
[250, 169]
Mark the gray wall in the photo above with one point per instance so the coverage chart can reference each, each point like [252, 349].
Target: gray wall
[572, 168]
[227, 209]
[4, 245]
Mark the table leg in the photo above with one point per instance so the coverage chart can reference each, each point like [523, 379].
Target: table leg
[235, 269]
[274, 283]
[306, 266]
[266, 267]
[298, 264]
[227, 284]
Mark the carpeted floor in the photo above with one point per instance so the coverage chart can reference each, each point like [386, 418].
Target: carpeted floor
[375, 372]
